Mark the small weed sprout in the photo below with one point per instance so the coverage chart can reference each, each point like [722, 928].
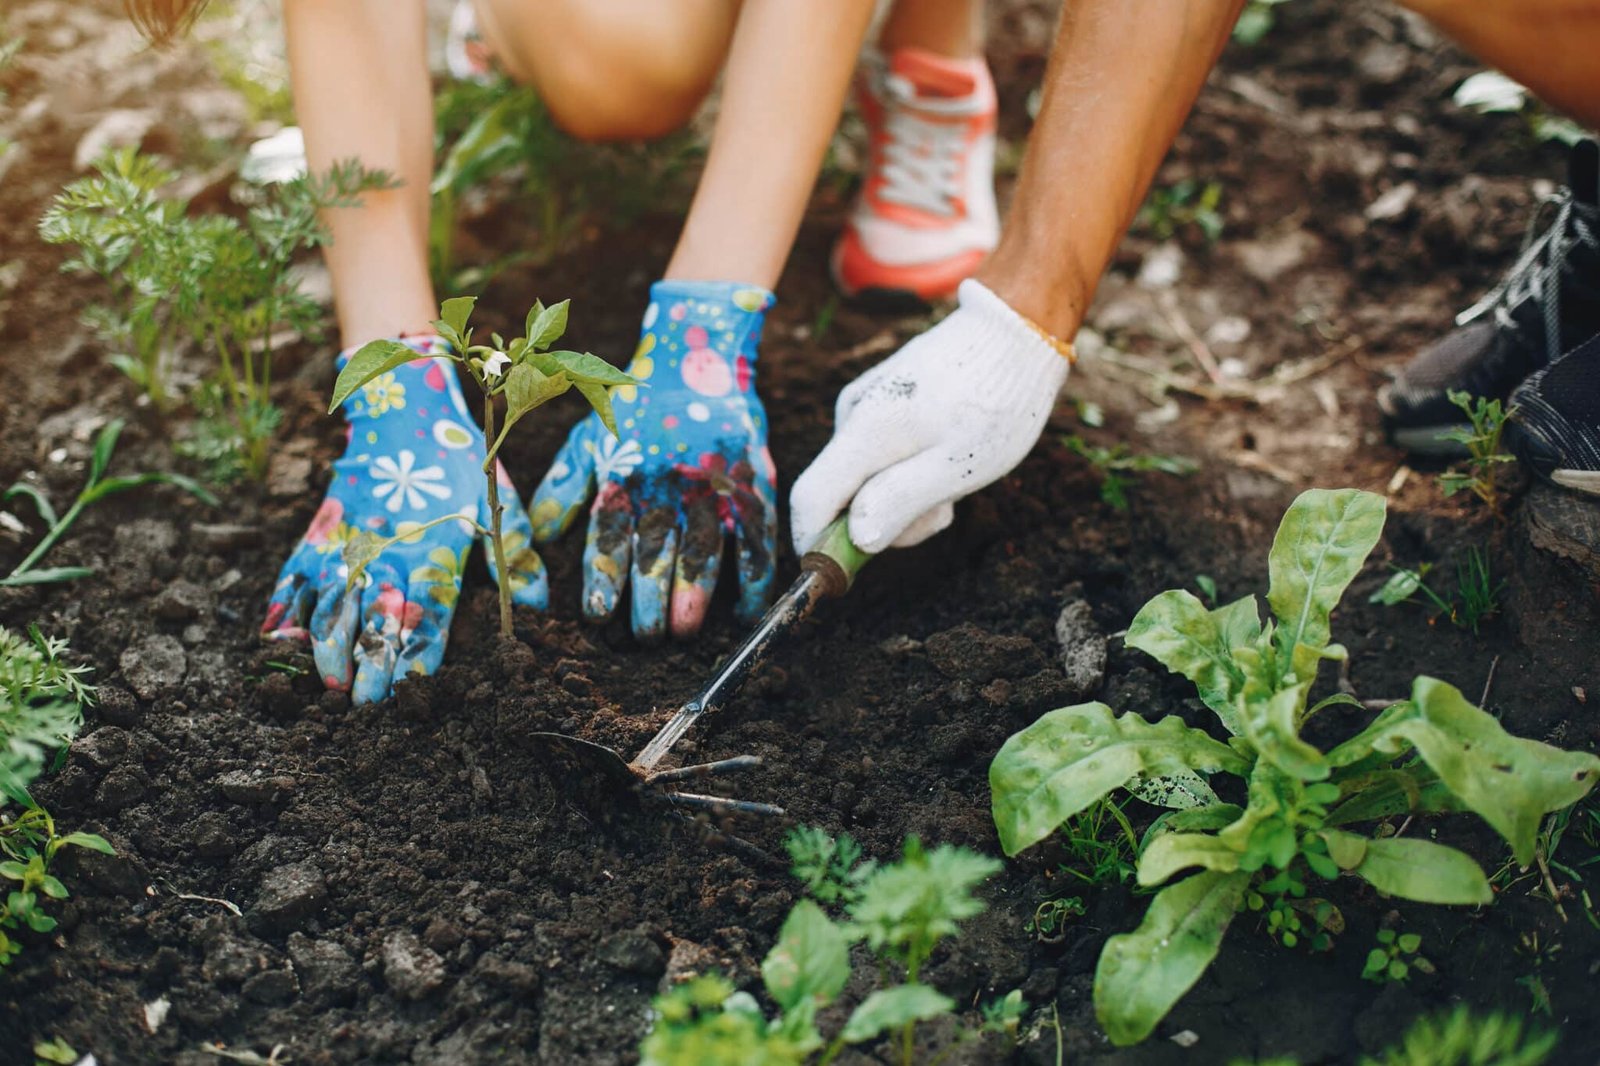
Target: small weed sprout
[1051, 918]
[1394, 957]
[901, 911]
[98, 487]
[830, 868]
[1475, 598]
[1208, 588]
[1100, 844]
[53, 1052]
[1432, 752]
[1115, 463]
[1487, 421]
[523, 370]
[220, 282]
[1183, 203]
[1256, 21]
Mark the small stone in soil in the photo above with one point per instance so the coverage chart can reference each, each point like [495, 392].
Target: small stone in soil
[272, 988]
[181, 601]
[154, 666]
[1083, 649]
[251, 786]
[328, 975]
[289, 895]
[411, 970]
[631, 951]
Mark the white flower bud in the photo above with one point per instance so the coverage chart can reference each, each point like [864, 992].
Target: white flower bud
[496, 364]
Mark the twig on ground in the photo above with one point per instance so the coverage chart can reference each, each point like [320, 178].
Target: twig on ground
[1483, 700]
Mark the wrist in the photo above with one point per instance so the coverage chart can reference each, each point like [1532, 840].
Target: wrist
[1055, 302]
[1012, 331]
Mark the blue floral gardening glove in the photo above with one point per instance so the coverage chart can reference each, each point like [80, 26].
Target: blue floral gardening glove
[690, 464]
[414, 454]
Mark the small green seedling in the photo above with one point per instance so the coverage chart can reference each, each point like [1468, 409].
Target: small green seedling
[1475, 598]
[98, 487]
[1208, 588]
[901, 912]
[523, 370]
[1484, 455]
[1115, 463]
[1051, 918]
[53, 1052]
[830, 868]
[1491, 92]
[1100, 845]
[1462, 1038]
[1394, 957]
[220, 282]
[1432, 752]
[1183, 203]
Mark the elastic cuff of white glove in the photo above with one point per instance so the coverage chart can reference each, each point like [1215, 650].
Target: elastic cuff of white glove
[1026, 358]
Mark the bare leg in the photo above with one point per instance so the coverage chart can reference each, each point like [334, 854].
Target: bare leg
[1548, 45]
[787, 73]
[1122, 77]
[952, 28]
[360, 76]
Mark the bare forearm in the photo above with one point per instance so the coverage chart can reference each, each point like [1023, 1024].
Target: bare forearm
[360, 76]
[1122, 78]
[788, 70]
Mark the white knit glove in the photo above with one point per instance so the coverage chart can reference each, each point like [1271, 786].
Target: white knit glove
[954, 410]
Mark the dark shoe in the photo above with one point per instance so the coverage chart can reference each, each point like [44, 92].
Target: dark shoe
[1554, 426]
[1546, 304]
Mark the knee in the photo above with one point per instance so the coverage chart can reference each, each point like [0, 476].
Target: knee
[628, 100]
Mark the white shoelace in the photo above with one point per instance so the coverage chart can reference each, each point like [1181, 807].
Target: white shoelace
[922, 156]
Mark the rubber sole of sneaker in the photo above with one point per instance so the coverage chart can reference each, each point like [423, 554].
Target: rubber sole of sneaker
[1430, 441]
[1584, 481]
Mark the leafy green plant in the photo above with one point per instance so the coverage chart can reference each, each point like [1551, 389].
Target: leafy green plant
[1256, 21]
[98, 487]
[1432, 752]
[1115, 463]
[1462, 1038]
[1394, 957]
[51, 1052]
[1051, 918]
[1487, 422]
[221, 282]
[901, 912]
[1476, 595]
[1183, 203]
[41, 710]
[830, 868]
[523, 370]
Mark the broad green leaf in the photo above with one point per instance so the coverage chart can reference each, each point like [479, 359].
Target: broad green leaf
[547, 326]
[1214, 817]
[528, 387]
[890, 1008]
[1383, 792]
[1180, 790]
[370, 360]
[583, 366]
[599, 398]
[1273, 726]
[1178, 631]
[1413, 869]
[1347, 850]
[1322, 542]
[1143, 973]
[1071, 757]
[811, 959]
[1512, 782]
[1171, 852]
[455, 312]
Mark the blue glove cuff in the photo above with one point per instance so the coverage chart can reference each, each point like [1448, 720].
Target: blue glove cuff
[724, 317]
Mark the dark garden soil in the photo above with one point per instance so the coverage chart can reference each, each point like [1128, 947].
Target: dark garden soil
[411, 882]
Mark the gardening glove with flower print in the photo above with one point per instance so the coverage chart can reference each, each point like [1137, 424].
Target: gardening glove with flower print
[689, 464]
[414, 454]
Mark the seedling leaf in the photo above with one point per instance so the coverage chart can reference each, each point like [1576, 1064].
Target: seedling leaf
[1414, 869]
[370, 360]
[891, 1008]
[1325, 537]
[810, 961]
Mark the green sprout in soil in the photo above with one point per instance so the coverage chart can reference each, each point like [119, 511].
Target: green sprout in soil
[1051, 918]
[901, 911]
[41, 710]
[1183, 203]
[53, 1052]
[523, 370]
[1115, 463]
[1432, 752]
[1475, 598]
[98, 487]
[1208, 588]
[829, 868]
[1100, 844]
[1462, 1038]
[1394, 957]
[217, 281]
[1487, 421]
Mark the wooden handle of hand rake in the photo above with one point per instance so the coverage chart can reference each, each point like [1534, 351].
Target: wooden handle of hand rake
[835, 559]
